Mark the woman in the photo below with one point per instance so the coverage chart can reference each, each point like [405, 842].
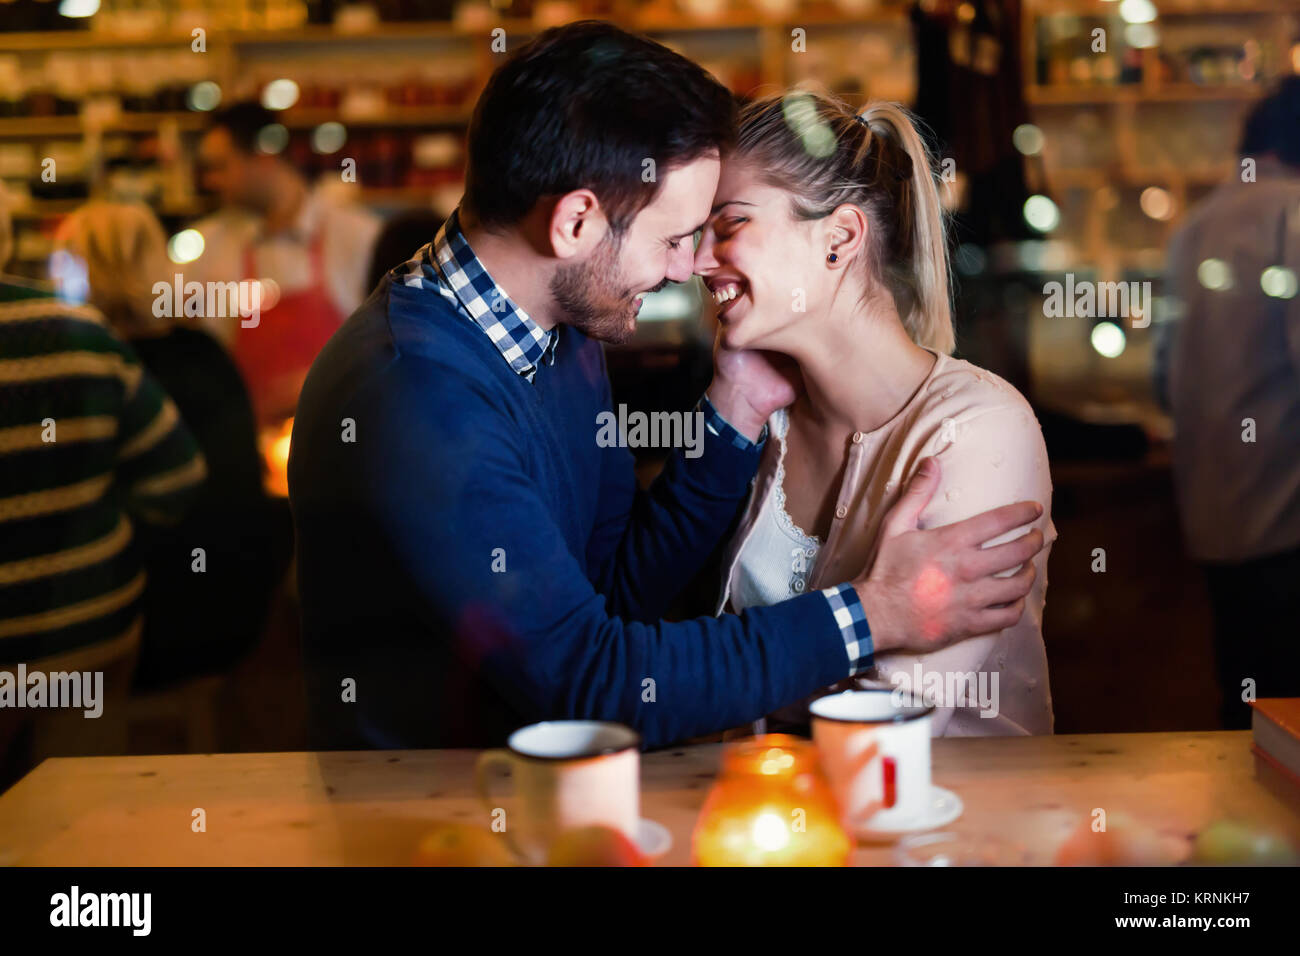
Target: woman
[111, 254]
[827, 245]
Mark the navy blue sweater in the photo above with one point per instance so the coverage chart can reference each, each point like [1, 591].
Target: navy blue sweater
[459, 468]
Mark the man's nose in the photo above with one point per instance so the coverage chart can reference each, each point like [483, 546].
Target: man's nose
[681, 263]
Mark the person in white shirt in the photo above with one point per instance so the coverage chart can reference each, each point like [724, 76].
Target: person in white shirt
[314, 248]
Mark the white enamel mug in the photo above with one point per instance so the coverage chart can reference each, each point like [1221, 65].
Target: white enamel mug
[567, 773]
[876, 755]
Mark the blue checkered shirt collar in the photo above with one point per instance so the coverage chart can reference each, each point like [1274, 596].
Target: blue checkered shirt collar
[448, 265]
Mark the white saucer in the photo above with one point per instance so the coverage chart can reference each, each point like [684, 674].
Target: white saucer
[942, 808]
[653, 839]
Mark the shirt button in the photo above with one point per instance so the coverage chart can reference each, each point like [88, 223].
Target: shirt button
[857, 438]
[841, 511]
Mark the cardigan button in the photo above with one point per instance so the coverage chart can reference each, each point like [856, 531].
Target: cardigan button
[841, 511]
[857, 438]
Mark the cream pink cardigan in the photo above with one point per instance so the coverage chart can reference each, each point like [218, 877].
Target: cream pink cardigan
[991, 450]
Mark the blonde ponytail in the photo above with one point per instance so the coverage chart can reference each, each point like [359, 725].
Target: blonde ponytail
[922, 246]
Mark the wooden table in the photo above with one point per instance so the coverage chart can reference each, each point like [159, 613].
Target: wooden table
[371, 808]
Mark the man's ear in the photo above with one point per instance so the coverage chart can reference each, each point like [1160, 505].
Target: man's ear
[577, 224]
[846, 230]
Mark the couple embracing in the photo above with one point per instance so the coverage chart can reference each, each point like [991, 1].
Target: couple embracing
[471, 559]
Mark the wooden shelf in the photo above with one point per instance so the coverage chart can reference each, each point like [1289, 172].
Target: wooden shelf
[33, 126]
[393, 116]
[98, 39]
[1097, 177]
[669, 21]
[1165, 8]
[655, 20]
[1084, 95]
[43, 208]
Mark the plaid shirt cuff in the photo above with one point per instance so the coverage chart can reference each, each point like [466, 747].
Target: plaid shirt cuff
[719, 426]
[852, 622]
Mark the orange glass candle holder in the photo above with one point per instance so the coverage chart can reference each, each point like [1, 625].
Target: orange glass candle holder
[770, 806]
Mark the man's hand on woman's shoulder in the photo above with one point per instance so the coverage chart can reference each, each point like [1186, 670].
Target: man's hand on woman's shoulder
[929, 589]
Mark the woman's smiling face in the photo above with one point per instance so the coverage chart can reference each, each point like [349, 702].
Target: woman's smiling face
[764, 267]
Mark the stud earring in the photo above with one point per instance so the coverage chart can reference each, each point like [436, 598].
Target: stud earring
[832, 258]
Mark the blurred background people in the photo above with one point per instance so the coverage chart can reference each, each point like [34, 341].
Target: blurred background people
[91, 448]
[402, 236]
[1229, 371]
[195, 623]
[273, 225]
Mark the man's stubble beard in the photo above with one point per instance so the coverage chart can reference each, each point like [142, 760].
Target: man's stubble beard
[591, 297]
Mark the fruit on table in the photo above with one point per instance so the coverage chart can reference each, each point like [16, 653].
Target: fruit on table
[1232, 841]
[1124, 842]
[457, 844]
[594, 846]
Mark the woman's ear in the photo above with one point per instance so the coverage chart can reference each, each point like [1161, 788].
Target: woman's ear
[577, 224]
[845, 234]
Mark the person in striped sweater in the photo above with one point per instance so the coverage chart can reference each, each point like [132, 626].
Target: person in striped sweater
[89, 444]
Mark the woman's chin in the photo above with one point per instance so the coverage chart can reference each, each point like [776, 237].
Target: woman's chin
[734, 339]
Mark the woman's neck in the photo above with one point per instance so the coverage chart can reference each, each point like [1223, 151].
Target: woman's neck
[859, 367]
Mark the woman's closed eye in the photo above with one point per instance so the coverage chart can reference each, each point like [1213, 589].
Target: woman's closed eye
[724, 227]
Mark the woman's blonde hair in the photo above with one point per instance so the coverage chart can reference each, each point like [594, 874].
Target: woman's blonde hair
[125, 252]
[822, 152]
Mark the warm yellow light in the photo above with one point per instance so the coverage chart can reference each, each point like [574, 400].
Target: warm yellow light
[280, 94]
[770, 832]
[770, 807]
[1157, 203]
[275, 444]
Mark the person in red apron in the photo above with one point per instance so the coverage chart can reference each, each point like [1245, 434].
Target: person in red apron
[275, 354]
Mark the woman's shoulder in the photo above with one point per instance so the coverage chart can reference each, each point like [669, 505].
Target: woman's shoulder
[963, 392]
[987, 440]
[970, 410]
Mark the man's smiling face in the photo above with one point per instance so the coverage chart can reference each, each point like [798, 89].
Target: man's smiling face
[602, 295]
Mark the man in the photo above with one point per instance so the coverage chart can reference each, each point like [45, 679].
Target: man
[273, 225]
[1228, 368]
[470, 558]
[89, 446]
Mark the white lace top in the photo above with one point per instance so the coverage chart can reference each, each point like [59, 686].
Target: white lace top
[775, 562]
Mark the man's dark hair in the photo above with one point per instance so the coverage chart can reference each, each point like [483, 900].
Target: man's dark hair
[243, 120]
[583, 106]
[1273, 125]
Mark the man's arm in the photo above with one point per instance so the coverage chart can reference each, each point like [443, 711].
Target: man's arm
[450, 496]
[647, 545]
